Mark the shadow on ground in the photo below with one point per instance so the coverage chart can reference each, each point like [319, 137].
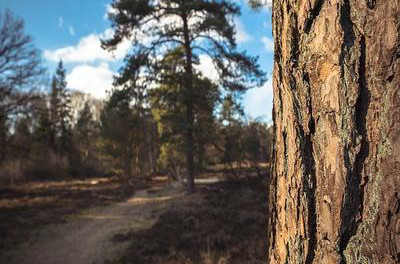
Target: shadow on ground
[26, 208]
[222, 223]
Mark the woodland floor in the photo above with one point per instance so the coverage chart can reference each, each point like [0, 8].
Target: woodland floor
[104, 221]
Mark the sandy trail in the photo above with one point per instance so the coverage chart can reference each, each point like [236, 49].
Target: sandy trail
[87, 238]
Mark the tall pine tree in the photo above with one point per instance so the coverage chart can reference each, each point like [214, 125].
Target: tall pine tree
[85, 129]
[60, 112]
[200, 27]
[168, 101]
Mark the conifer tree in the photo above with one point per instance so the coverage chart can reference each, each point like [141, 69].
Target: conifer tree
[60, 112]
[43, 129]
[167, 102]
[119, 122]
[199, 27]
[85, 129]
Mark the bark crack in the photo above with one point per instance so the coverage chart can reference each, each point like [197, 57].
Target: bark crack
[310, 180]
[371, 4]
[295, 41]
[352, 206]
[309, 173]
[313, 15]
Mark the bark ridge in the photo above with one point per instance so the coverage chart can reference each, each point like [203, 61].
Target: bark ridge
[335, 195]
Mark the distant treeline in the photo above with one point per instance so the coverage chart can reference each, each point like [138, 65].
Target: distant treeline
[151, 122]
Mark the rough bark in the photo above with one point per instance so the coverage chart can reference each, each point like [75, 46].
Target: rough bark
[335, 190]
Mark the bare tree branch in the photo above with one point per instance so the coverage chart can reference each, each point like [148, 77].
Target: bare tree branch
[20, 64]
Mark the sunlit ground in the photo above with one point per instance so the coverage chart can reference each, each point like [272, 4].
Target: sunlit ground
[27, 207]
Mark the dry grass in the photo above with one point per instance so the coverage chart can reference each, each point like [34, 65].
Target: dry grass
[222, 223]
[26, 208]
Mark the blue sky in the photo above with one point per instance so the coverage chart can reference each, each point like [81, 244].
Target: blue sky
[71, 29]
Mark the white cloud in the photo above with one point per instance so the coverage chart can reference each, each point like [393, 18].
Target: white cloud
[60, 22]
[90, 79]
[207, 68]
[241, 34]
[109, 10]
[71, 30]
[88, 50]
[258, 101]
[268, 44]
[267, 3]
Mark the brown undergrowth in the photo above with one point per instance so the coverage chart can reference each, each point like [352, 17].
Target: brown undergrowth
[226, 226]
[26, 208]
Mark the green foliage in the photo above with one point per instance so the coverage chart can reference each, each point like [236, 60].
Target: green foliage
[42, 137]
[257, 142]
[128, 132]
[256, 4]
[168, 107]
[163, 114]
[85, 126]
[60, 112]
[43, 128]
[86, 135]
[117, 123]
[183, 30]
[244, 142]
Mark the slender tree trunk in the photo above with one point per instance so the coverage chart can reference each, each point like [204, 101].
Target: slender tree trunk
[128, 159]
[189, 107]
[128, 168]
[3, 137]
[335, 188]
[201, 152]
[138, 165]
[152, 147]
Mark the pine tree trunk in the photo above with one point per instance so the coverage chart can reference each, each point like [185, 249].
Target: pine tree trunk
[335, 187]
[189, 107]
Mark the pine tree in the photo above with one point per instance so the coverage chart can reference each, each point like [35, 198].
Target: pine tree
[199, 27]
[119, 122]
[85, 123]
[167, 101]
[85, 129]
[60, 112]
[43, 129]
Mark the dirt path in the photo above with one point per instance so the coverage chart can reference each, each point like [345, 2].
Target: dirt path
[87, 238]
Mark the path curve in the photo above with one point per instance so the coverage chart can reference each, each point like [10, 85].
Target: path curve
[87, 238]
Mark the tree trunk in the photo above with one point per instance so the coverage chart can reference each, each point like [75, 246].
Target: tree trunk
[189, 107]
[3, 137]
[335, 187]
[128, 159]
